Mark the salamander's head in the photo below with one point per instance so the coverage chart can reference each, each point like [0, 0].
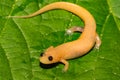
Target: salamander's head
[49, 56]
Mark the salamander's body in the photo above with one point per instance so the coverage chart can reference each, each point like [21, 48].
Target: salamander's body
[75, 48]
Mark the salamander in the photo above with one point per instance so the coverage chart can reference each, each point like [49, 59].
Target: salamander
[88, 39]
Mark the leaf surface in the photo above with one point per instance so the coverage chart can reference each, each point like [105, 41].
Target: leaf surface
[22, 41]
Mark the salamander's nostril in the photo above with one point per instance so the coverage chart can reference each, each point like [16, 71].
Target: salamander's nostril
[41, 54]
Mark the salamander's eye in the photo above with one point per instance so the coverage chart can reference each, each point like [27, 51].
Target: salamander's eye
[41, 54]
[50, 58]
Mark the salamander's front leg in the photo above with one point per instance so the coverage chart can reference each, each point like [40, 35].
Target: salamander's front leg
[66, 64]
[81, 29]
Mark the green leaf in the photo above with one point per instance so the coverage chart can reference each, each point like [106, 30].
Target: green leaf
[22, 41]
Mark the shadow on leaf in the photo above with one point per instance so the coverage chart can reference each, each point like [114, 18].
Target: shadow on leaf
[48, 66]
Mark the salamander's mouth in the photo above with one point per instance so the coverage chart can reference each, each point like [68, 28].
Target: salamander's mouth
[46, 64]
[42, 60]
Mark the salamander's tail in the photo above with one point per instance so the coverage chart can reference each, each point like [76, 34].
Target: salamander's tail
[17, 16]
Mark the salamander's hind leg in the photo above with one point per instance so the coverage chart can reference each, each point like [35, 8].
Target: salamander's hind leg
[98, 42]
[74, 29]
[81, 29]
